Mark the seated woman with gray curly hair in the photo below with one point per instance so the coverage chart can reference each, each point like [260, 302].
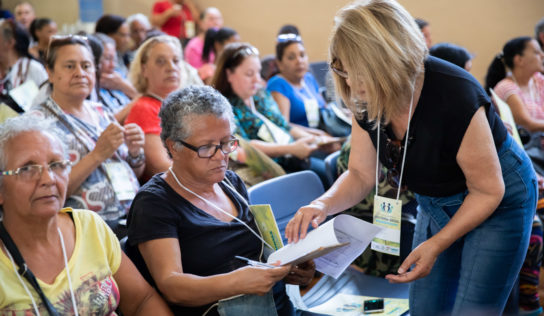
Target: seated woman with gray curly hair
[186, 225]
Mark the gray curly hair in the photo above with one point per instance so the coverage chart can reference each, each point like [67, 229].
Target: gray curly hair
[179, 107]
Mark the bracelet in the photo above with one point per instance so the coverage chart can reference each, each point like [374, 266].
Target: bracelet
[136, 161]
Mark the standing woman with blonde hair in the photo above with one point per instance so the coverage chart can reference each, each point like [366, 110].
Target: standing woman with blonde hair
[432, 125]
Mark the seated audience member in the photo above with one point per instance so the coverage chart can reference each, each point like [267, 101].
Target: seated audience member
[539, 32]
[86, 272]
[116, 27]
[455, 54]
[41, 30]
[139, 25]
[24, 14]
[5, 14]
[115, 91]
[515, 75]
[196, 206]
[156, 71]
[16, 65]
[176, 18]
[106, 157]
[257, 116]
[211, 18]
[425, 29]
[294, 88]
[268, 63]
[214, 43]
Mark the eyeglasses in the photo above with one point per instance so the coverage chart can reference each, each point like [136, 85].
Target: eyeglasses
[208, 151]
[246, 51]
[337, 70]
[393, 154]
[291, 37]
[34, 172]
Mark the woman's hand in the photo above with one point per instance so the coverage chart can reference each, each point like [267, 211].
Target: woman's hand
[259, 280]
[423, 257]
[303, 147]
[314, 213]
[134, 138]
[301, 274]
[108, 142]
[112, 81]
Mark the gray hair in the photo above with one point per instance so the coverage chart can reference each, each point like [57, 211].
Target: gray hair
[29, 122]
[140, 18]
[104, 39]
[179, 108]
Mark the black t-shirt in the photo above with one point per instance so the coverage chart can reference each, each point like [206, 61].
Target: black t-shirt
[208, 245]
[449, 99]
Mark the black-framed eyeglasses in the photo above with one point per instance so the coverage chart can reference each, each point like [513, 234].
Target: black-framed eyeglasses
[34, 172]
[208, 151]
[290, 37]
[394, 151]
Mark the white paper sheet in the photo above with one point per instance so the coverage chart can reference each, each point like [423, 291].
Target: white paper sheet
[341, 229]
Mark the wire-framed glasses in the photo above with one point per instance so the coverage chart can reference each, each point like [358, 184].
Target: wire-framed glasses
[34, 172]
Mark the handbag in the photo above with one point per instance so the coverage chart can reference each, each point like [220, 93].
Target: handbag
[331, 123]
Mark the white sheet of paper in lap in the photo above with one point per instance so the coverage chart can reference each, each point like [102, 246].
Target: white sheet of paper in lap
[342, 239]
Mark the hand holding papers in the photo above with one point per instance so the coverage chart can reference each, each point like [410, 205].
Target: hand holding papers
[333, 245]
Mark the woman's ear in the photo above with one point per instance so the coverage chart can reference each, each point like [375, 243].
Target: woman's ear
[229, 74]
[170, 145]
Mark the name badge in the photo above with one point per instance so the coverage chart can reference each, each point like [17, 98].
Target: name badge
[387, 214]
[312, 112]
[120, 180]
[270, 132]
[24, 94]
[189, 29]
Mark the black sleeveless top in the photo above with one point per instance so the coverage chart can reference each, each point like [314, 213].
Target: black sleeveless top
[449, 99]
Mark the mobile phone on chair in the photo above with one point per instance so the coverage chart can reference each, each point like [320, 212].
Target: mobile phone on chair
[373, 306]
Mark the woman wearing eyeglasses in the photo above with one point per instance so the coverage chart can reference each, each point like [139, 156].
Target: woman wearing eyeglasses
[157, 70]
[295, 89]
[432, 124]
[186, 225]
[107, 157]
[55, 260]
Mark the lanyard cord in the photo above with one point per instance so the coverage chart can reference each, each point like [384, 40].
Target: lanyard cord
[22, 282]
[218, 208]
[407, 136]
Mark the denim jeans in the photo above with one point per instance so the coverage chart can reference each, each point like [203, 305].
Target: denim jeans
[475, 275]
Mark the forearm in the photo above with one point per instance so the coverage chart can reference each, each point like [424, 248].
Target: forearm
[298, 132]
[128, 89]
[191, 290]
[272, 149]
[81, 171]
[348, 190]
[150, 303]
[158, 19]
[533, 125]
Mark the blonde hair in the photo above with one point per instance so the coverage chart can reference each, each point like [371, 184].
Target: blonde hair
[142, 55]
[381, 46]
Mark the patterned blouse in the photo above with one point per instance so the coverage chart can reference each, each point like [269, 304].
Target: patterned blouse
[96, 193]
[533, 99]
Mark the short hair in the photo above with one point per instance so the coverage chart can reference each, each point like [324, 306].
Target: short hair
[505, 59]
[288, 29]
[179, 108]
[38, 24]
[109, 24]
[455, 54]
[381, 45]
[421, 23]
[142, 55]
[12, 30]
[285, 40]
[215, 36]
[539, 28]
[231, 57]
[59, 41]
[28, 122]
[140, 18]
[104, 39]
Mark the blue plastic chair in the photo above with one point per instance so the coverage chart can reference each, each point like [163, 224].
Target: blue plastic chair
[286, 194]
[330, 167]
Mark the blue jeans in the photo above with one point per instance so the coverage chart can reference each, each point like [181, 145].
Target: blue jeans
[475, 275]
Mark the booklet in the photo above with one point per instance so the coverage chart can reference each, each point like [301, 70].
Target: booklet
[266, 222]
[334, 245]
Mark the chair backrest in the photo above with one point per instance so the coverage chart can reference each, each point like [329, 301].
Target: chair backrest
[286, 194]
[330, 167]
[319, 69]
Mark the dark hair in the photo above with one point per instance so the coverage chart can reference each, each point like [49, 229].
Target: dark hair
[281, 45]
[109, 24]
[38, 24]
[60, 41]
[539, 28]
[288, 29]
[456, 55]
[14, 30]
[231, 57]
[496, 71]
[421, 23]
[215, 36]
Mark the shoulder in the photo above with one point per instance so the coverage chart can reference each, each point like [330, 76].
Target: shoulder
[89, 222]
[277, 82]
[237, 182]
[505, 88]
[310, 80]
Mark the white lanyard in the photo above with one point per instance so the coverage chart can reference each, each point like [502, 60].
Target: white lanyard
[404, 151]
[74, 305]
[218, 208]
